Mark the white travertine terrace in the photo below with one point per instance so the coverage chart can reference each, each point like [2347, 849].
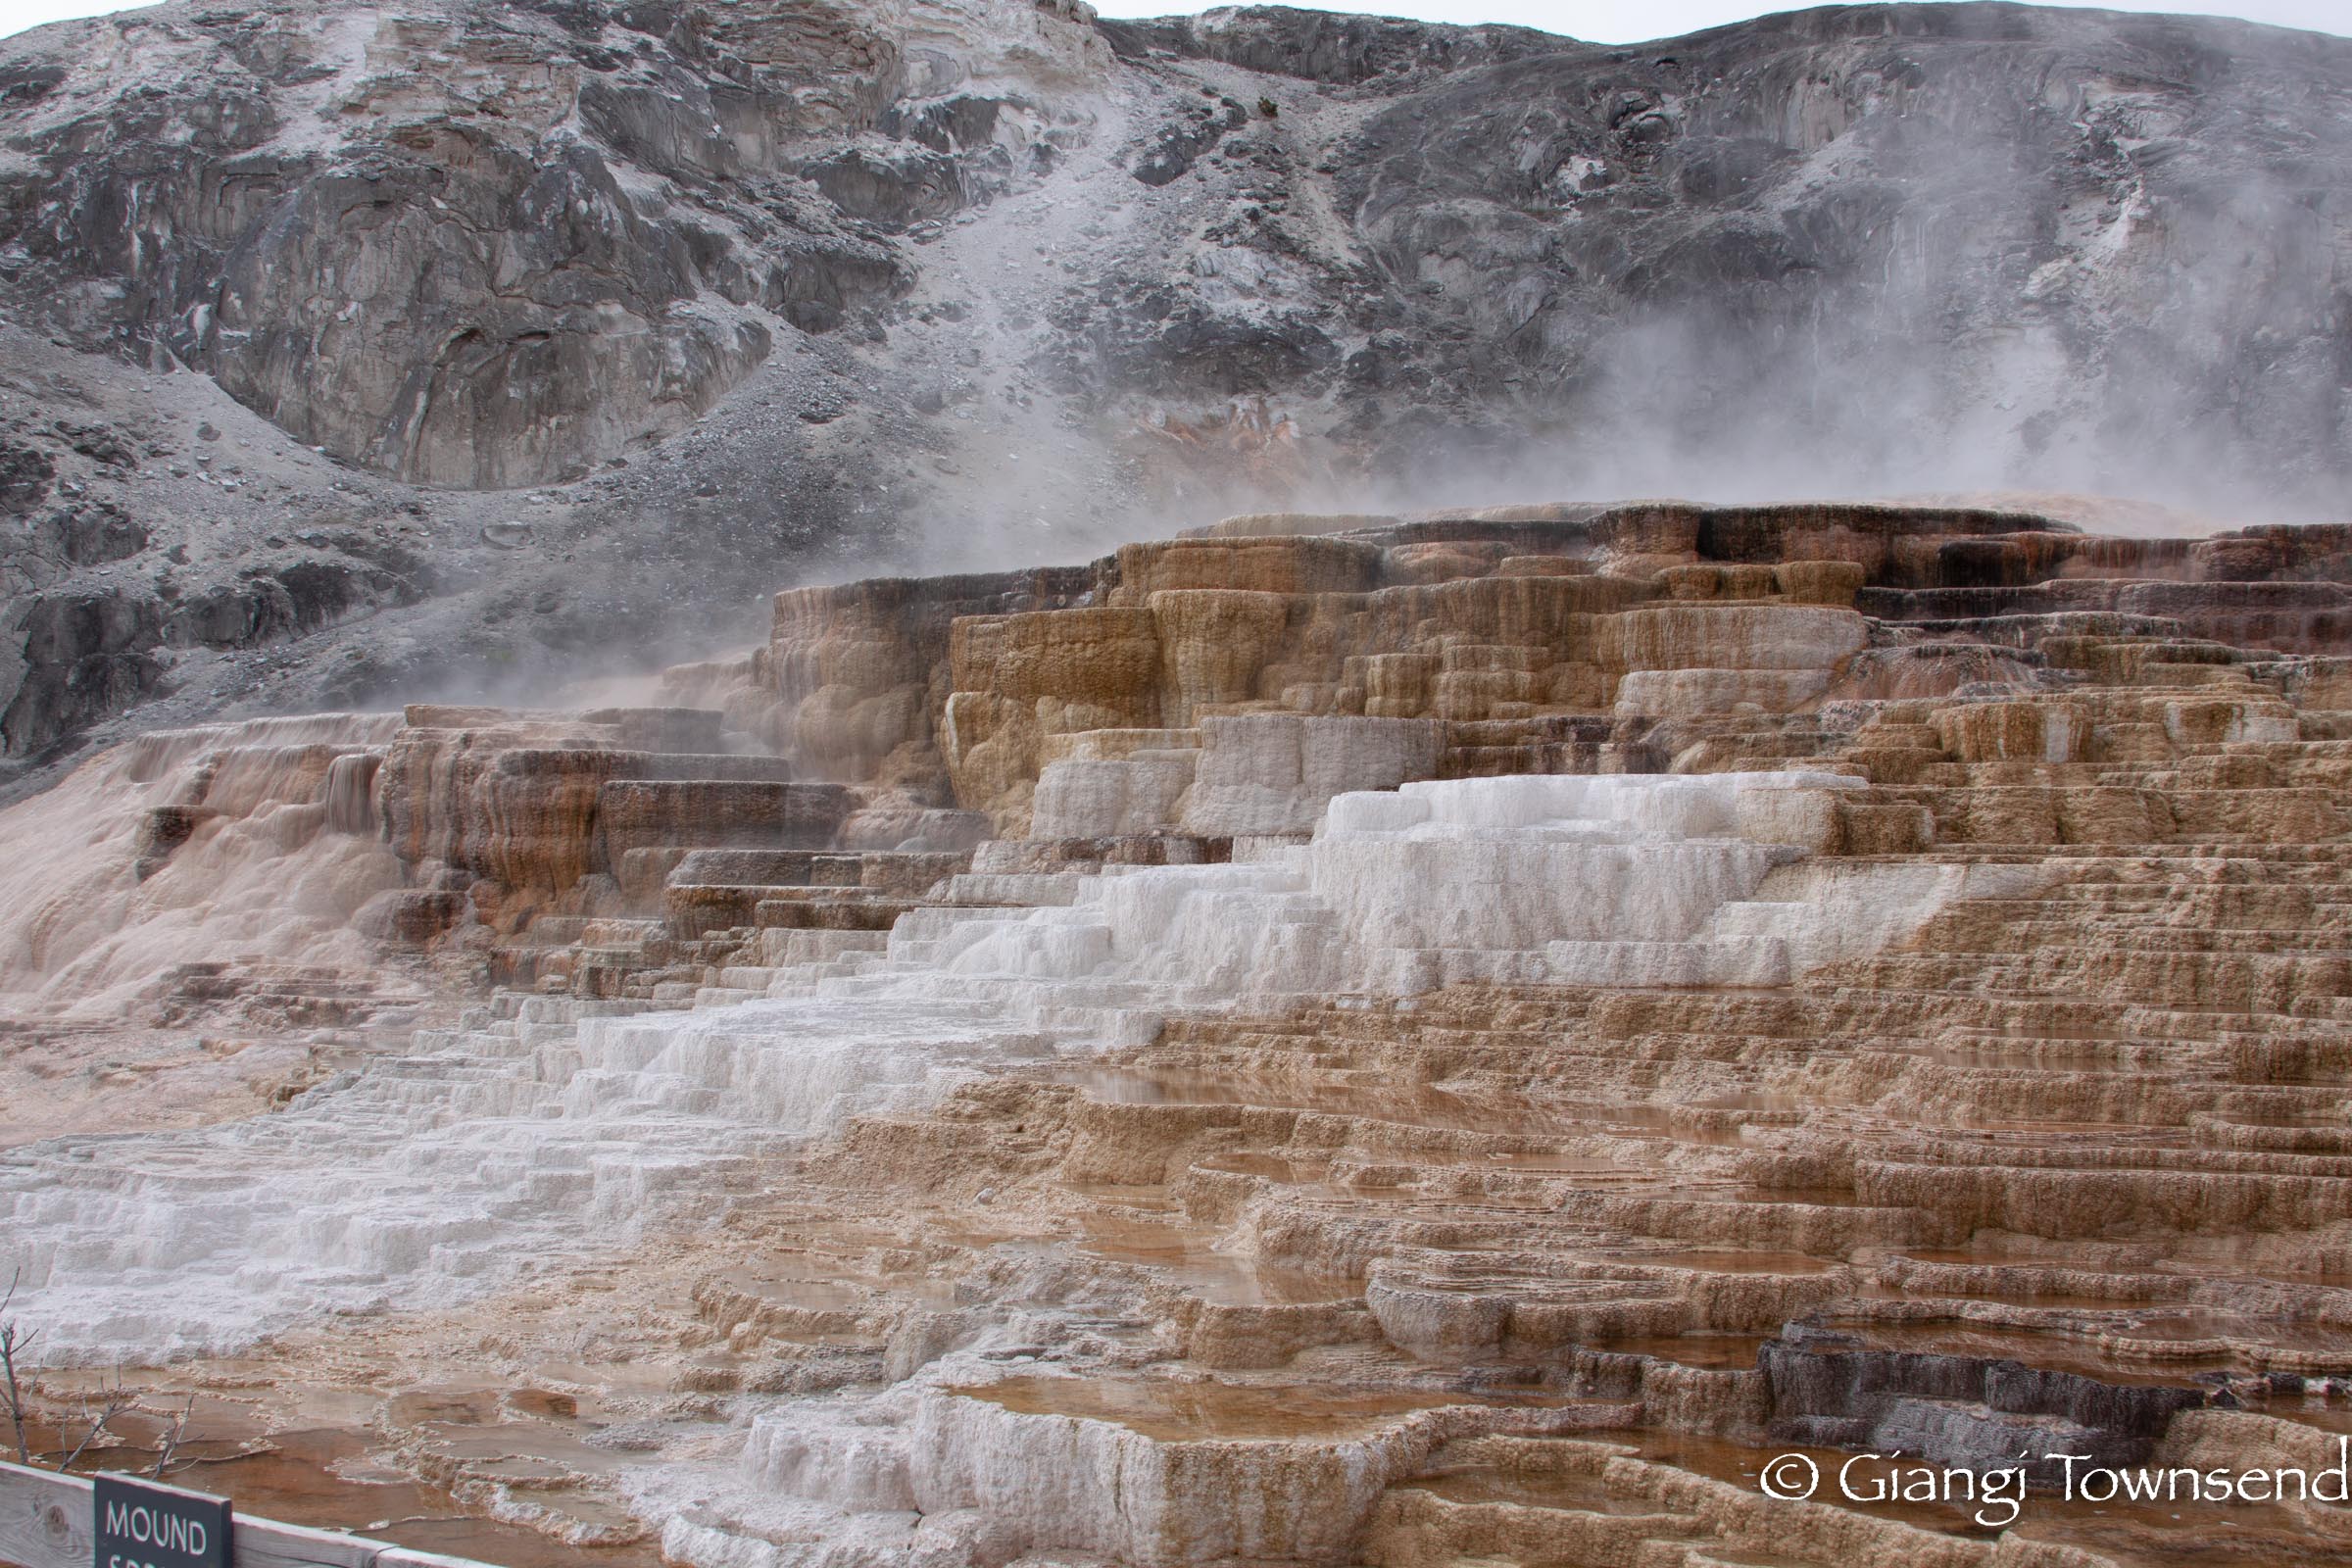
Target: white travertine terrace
[1621, 880]
[494, 1149]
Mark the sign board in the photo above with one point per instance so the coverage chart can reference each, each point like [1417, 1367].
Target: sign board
[140, 1524]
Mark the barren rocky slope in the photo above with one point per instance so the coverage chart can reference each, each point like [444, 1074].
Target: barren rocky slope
[1327, 1039]
[452, 347]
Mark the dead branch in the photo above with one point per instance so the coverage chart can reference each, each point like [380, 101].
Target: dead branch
[118, 1400]
[15, 1340]
[172, 1436]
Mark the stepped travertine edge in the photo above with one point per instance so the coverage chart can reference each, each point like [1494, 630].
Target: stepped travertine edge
[1351, 1039]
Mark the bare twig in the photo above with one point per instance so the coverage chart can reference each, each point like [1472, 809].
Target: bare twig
[15, 1340]
[172, 1436]
[118, 1400]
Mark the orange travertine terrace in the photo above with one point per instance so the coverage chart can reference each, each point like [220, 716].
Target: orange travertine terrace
[1400, 1041]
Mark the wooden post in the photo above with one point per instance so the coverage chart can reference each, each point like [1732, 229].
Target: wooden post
[46, 1523]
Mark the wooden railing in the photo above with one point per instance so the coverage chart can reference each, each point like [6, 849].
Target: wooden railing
[46, 1523]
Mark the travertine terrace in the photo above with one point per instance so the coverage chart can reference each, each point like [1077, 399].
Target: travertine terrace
[1405, 1041]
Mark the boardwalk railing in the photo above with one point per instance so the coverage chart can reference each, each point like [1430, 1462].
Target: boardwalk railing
[46, 1523]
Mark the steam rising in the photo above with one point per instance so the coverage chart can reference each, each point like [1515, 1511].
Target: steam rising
[1144, 275]
[1953, 250]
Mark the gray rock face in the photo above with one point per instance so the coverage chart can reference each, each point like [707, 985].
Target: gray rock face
[1864, 225]
[735, 288]
[1323, 46]
[469, 245]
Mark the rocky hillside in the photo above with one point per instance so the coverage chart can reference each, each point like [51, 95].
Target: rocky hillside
[1319, 1042]
[455, 348]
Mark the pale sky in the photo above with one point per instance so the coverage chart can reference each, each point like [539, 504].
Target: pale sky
[1598, 21]
[1634, 21]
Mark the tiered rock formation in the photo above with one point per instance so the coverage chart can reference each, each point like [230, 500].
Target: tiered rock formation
[1185, 697]
[1359, 1039]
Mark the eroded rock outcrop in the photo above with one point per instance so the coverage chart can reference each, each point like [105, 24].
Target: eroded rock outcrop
[490, 247]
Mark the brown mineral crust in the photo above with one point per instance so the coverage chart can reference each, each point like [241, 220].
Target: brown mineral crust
[1306, 564]
[851, 668]
[1551, 636]
[1516, 613]
[535, 804]
[2059, 1168]
[639, 813]
[520, 813]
